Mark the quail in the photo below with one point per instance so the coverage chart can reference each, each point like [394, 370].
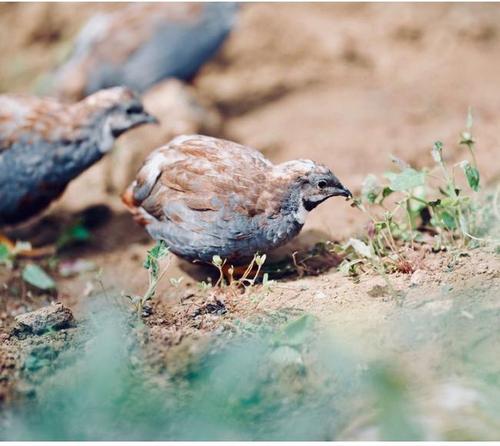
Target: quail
[206, 196]
[142, 44]
[44, 144]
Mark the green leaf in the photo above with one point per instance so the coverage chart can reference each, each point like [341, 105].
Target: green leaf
[470, 120]
[80, 233]
[157, 252]
[467, 139]
[437, 151]
[370, 188]
[75, 233]
[260, 260]
[265, 280]
[390, 175]
[406, 180]
[295, 332]
[448, 220]
[361, 248]
[448, 202]
[5, 255]
[4, 252]
[472, 175]
[36, 276]
[464, 224]
[417, 202]
[399, 162]
[386, 191]
[217, 260]
[348, 268]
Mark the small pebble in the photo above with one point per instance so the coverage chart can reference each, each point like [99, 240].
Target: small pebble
[320, 295]
[417, 277]
[51, 317]
[73, 268]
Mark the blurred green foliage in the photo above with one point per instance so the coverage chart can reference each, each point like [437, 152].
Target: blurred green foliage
[286, 382]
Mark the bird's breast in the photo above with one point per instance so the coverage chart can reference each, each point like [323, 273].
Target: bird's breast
[199, 235]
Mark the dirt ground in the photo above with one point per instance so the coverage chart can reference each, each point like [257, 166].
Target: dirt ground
[344, 84]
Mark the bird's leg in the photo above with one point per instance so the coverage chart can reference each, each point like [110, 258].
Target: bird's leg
[29, 252]
[42, 251]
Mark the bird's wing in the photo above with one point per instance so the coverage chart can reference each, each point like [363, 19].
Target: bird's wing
[204, 174]
[30, 119]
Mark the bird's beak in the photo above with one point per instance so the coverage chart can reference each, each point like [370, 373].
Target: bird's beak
[342, 191]
[149, 119]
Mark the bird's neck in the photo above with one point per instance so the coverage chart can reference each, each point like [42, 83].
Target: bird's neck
[288, 219]
[73, 158]
[106, 140]
[285, 182]
[90, 143]
[292, 205]
[96, 124]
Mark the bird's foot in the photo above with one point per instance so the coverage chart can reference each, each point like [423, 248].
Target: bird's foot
[25, 250]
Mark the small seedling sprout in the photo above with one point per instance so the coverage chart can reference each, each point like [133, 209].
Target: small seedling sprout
[227, 274]
[156, 271]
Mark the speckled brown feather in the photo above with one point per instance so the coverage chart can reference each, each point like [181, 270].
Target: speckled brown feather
[207, 174]
[32, 117]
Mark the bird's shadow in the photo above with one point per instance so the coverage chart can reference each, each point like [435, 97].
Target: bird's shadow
[106, 230]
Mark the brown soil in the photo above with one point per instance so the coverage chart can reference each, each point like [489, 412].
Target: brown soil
[347, 85]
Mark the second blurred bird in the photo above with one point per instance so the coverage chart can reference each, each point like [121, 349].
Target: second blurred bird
[142, 44]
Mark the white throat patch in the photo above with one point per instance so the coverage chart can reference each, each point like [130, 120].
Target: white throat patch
[107, 139]
[301, 213]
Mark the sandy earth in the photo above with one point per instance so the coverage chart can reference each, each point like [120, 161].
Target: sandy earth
[347, 85]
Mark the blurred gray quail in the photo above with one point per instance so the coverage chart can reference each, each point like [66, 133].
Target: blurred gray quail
[142, 44]
[44, 144]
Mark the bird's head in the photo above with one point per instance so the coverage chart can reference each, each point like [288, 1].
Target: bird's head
[313, 183]
[319, 184]
[118, 110]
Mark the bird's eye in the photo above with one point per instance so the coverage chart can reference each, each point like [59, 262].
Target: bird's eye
[321, 184]
[132, 109]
